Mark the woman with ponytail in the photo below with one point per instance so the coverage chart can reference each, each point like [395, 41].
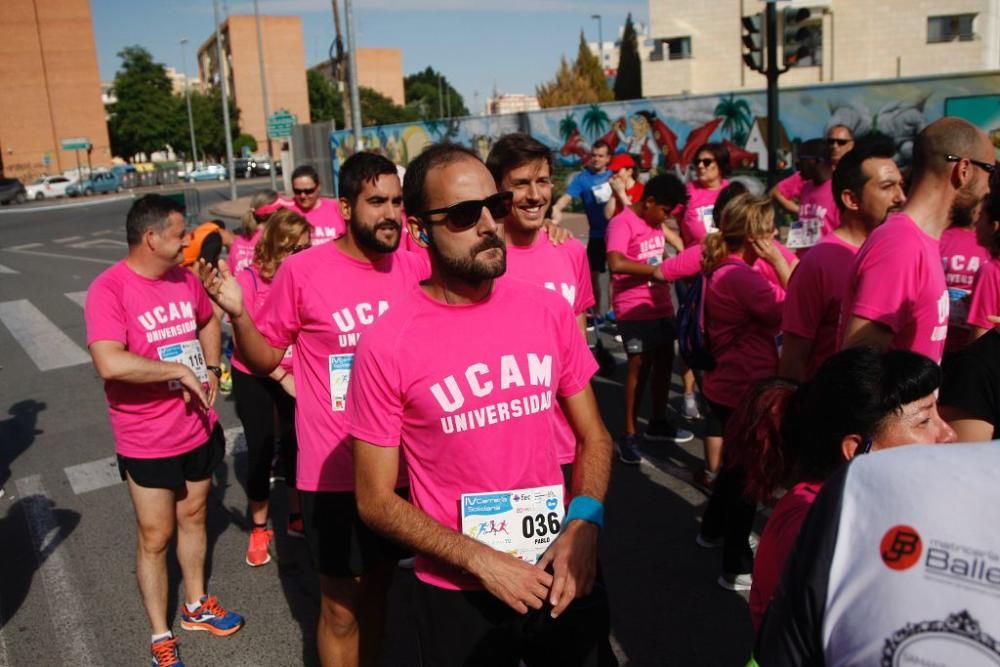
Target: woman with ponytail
[263, 203]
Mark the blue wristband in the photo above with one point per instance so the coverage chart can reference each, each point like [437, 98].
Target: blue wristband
[585, 508]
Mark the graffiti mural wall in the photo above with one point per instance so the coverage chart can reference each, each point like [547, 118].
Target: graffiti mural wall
[663, 133]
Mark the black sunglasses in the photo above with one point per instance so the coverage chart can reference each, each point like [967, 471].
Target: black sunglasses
[838, 142]
[465, 214]
[705, 162]
[305, 191]
[985, 166]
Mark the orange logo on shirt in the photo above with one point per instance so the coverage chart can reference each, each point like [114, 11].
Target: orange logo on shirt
[901, 547]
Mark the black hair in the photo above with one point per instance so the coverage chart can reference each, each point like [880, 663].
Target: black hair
[414, 194]
[816, 149]
[601, 143]
[149, 212]
[306, 170]
[513, 150]
[666, 189]
[720, 153]
[849, 173]
[728, 193]
[361, 168]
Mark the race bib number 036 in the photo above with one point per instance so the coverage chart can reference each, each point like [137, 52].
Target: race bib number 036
[188, 353]
[522, 523]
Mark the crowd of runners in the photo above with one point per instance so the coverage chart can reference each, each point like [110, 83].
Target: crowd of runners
[418, 353]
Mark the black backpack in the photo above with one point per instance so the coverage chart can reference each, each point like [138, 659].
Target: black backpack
[692, 338]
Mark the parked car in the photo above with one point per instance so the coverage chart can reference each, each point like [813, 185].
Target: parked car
[47, 187]
[12, 190]
[210, 172]
[99, 181]
[247, 167]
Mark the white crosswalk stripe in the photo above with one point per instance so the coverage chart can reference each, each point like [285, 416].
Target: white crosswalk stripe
[39, 337]
[6, 269]
[79, 298]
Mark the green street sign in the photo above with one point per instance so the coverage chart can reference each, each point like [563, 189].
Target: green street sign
[75, 144]
[280, 124]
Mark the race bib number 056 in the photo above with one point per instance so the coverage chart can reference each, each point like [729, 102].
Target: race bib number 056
[522, 523]
[188, 353]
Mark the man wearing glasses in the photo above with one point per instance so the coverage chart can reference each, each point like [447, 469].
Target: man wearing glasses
[898, 297]
[322, 301]
[462, 376]
[321, 212]
[788, 193]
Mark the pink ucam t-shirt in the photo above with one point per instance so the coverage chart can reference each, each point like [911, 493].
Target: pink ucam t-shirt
[637, 297]
[961, 257]
[321, 301]
[985, 295]
[241, 251]
[815, 292]
[255, 293]
[817, 206]
[897, 280]
[155, 319]
[327, 222]
[473, 412]
[742, 319]
[698, 220]
[791, 187]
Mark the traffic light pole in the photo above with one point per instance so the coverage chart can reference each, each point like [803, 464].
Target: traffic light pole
[771, 32]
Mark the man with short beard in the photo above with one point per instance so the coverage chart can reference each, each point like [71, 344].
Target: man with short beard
[321, 302]
[898, 297]
[462, 376]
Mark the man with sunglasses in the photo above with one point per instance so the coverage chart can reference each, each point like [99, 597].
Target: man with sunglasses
[787, 193]
[462, 376]
[321, 212]
[322, 301]
[898, 297]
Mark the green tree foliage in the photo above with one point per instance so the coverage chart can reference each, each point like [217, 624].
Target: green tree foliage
[247, 140]
[377, 109]
[737, 118]
[588, 66]
[209, 127]
[325, 102]
[567, 88]
[144, 117]
[423, 97]
[595, 121]
[628, 81]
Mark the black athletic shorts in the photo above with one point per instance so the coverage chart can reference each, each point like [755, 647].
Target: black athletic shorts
[640, 336]
[340, 544]
[718, 416]
[597, 255]
[173, 471]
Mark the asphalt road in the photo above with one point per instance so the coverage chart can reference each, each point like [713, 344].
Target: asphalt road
[67, 536]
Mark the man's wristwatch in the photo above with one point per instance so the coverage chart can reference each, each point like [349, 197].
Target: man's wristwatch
[217, 370]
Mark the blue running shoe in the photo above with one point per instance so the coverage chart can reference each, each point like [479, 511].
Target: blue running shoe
[165, 653]
[628, 450]
[211, 617]
[660, 430]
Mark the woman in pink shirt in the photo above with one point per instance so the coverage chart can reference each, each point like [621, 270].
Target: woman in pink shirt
[962, 257]
[798, 436]
[711, 166]
[986, 290]
[742, 320]
[258, 398]
[262, 204]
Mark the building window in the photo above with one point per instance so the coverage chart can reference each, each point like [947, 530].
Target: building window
[803, 37]
[672, 48]
[950, 28]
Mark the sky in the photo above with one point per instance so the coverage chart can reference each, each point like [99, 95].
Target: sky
[476, 45]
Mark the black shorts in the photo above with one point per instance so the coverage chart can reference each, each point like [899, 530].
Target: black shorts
[641, 336]
[597, 255]
[340, 544]
[173, 471]
[718, 415]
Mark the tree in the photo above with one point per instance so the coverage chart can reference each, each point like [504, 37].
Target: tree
[591, 70]
[566, 89]
[377, 109]
[423, 96]
[628, 81]
[244, 139]
[209, 129]
[144, 118]
[595, 121]
[325, 101]
[737, 118]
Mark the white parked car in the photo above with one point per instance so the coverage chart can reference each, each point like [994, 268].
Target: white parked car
[49, 186]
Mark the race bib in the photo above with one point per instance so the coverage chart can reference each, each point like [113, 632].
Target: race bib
[340, 376]
[522, 523]
[958, 310]
[705, 213]
[804, 233]
[602, 192]
[188, 353]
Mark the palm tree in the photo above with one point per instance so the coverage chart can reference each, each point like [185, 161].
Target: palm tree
[737, 118]
[567, 126]
[595, 121]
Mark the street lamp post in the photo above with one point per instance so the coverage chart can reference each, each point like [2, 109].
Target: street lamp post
[600, 38]
[225, 101]
[187, 95]
[263, 93]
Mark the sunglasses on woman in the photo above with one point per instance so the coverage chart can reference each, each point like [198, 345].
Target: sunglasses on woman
[465, 214]
[305, 191]
[705, 162]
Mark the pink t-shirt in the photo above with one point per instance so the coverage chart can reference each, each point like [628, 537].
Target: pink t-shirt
[473, 412]
[327, 222]
[776, 543]
[697, 220]
[742, 319]
[241, 250]
[321, 301]
[255, 293]
[791, 187]
[683, 265]
[898, 281]
[815, 291]
[637, 297]
[816, 206]
[961, 257]
[985, 295]
[156, 319]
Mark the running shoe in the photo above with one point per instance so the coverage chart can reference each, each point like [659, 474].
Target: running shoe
[226, 381]
[736, 582]
[690, 410]
[628, 450]
[257, 553]
[296, 527]
[165, 653]
[660, 430]
[211, 617]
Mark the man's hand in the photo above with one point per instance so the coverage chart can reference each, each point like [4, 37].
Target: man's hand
[573, 557]
[192, 387]
[519, 585]
[222, 287]
[557, 235]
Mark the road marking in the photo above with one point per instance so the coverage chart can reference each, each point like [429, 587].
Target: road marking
[66, 609]
[6, 269]
[44, 342]
[67, 239]
[236, 441]
[23, 250]
[79, 298]
[103, 244]
[56, 207]
[106, 231]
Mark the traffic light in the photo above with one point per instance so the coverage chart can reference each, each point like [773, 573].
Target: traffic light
[753, 42]
[803, 38]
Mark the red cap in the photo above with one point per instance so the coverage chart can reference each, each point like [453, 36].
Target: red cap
[620, 161]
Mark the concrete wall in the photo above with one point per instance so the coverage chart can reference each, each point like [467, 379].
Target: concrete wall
[382, 69]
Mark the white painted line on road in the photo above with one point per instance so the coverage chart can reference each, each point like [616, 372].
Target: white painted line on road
[106, 231]
[6, 269]
[44, 342]
[79, 298]
[23, 250]
[236, 442]
[56, 207]
[67, 239]
[66, 610]
[103, 244]
[93, 475]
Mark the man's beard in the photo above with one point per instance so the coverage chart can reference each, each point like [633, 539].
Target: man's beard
[367, 238]
[471, 269]
[962, 211]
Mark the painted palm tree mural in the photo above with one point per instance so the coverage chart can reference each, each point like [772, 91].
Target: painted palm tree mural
[573, 144]
[595, 121]
[737, 118]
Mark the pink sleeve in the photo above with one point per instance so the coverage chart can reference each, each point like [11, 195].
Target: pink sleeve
[584, 288]
[885, 282]
[374, 395]
[985, 297]
[685, 264]
[791, 187]
[617, 236]
[578, 364]
[249, 286]
[278, 319]
[803, 310]
[104, 314]
[762, 298]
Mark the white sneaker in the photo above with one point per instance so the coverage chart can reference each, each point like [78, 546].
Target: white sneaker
[736, 582]
[690, 410]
